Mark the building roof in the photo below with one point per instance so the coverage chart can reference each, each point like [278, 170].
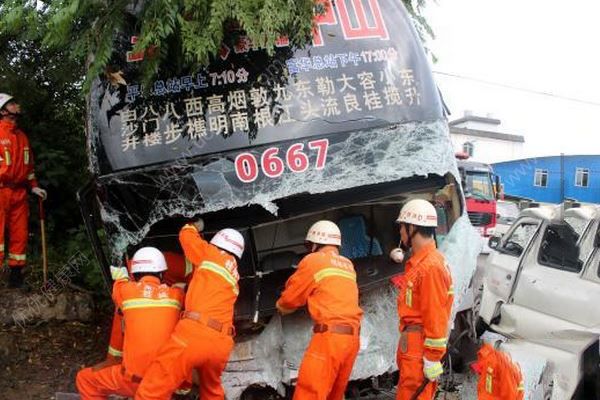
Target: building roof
[474, 118]
[486, 134]
[546, 157]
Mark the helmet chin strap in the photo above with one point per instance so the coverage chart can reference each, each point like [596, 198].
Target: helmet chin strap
[408, 245]
[7, 113]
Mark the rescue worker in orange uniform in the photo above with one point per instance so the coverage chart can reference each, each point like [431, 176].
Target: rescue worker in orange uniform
[499, 377]
[326, 281]
[16, 176]
[203, 338]
[424, 303]
[150, 311]
[179, 272]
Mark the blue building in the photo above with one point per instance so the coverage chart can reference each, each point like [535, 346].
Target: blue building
[552, 179]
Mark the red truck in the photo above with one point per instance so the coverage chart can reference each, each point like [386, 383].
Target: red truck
[479, 194]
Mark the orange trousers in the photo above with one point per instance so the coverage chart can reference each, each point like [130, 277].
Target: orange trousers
[14, 218]
[410, 366]
[191, 346]
[99, 384]
[326, 367]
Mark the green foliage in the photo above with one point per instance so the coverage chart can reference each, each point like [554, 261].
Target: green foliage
[84, 29]
[424, 30]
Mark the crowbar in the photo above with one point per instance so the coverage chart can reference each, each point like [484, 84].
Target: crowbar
[44, 249]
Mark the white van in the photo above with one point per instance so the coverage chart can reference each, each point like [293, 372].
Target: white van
[542, 289]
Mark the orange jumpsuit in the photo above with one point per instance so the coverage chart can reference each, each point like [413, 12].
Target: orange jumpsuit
[203, 338]
[180, 270]
[499, 377]
[424, 304]
[150, 311]
[16, 176]
[326, 282]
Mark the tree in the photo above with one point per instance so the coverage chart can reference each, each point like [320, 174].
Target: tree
[84, 29]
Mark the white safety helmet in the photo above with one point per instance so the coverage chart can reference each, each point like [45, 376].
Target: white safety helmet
[149, 260]
[4, 99]
[324, 232]
[418, 212]
[229, 240]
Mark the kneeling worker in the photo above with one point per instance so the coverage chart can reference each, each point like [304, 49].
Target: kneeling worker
[203, 339]
[326, 281]
[150, 311]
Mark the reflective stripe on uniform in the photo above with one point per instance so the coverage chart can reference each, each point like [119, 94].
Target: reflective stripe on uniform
[17, 257]
[521, 387]
[451, 291]
[7, 157]
[150, 303]
[2, 247]
[222, 271]
[114, 352]
[189, 267]
[31, 176]
[26, 155]
[327, 272]
[435, 370]
[438, 343]
[489, 380]
[408, 297]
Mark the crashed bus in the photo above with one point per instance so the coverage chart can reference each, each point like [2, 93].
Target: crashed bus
[347, 129]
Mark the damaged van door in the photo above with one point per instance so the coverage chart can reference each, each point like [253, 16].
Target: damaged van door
[550, 302]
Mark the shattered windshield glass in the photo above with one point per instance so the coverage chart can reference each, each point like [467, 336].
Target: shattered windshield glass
[134, 202]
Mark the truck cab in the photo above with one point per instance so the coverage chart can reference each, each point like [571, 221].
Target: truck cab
[480, 195]
[541, 285]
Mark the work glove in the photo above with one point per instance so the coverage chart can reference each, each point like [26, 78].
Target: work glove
[39, 192]
[199, 224]
[118, 273]
[397, 255]
[432, 369]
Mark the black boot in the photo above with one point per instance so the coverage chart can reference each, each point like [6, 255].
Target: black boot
[15, 279]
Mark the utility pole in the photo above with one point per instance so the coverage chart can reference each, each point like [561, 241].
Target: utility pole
[562, 180]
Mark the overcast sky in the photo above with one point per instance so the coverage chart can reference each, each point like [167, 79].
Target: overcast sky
[545, 46]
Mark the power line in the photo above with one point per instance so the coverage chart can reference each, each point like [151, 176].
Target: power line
[504, 85]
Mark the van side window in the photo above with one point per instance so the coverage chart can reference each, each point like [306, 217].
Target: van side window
[559, 248]
[517, 241]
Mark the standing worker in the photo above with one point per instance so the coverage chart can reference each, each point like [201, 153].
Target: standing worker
[499, 377]
[424, 303]
[150, 311]
[16, 176]
[203, 338]
[326, 281]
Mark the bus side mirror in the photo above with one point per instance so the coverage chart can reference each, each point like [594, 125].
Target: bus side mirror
[494, 242]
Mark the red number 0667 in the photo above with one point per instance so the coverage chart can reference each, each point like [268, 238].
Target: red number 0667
[273, 165]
